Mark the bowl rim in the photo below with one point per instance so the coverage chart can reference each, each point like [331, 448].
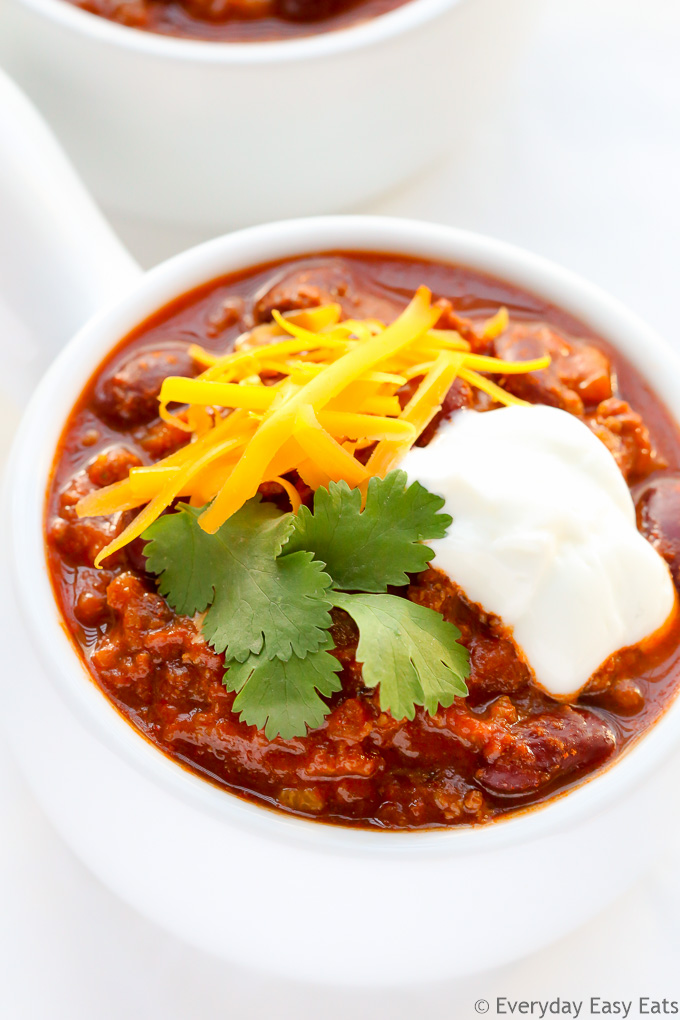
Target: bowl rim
[31, 459]
[362, 34]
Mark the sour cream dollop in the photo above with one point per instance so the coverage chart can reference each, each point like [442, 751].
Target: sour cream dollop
[544, 537]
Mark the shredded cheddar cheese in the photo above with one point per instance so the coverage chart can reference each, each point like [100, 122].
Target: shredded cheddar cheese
[306, 394]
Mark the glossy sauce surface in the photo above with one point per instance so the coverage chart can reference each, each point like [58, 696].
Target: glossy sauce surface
[238, 20]
[506, 746]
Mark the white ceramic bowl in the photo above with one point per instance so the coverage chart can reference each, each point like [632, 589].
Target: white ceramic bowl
[219, 135]
[270, 891]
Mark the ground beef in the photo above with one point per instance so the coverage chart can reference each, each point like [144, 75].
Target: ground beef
[494, 664]
[626, 436]
[579, 374]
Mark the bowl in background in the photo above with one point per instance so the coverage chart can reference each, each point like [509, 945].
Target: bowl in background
[215, 135]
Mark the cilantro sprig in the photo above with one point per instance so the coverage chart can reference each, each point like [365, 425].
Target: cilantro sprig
[258, 599]
[372, 549]
[409, 651]
[267, 581]
[283, 697]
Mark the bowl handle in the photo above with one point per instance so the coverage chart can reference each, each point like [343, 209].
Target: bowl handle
[59, 259]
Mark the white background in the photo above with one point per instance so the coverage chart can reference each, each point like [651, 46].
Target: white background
[580, 164]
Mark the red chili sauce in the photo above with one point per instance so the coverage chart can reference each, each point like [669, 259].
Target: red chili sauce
[238, 20]
[505, 747]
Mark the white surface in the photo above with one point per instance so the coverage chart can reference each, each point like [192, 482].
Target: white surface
[544, 537]
[584, 170]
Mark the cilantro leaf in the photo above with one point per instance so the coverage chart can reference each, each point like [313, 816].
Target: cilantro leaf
[371, 549]
[259, 599]
[411, 651]
[283, 697]
[181, 554]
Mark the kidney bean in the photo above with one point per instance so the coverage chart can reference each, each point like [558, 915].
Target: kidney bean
[547, 747]
[658, 517]
[127, 392]
[321, 285]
